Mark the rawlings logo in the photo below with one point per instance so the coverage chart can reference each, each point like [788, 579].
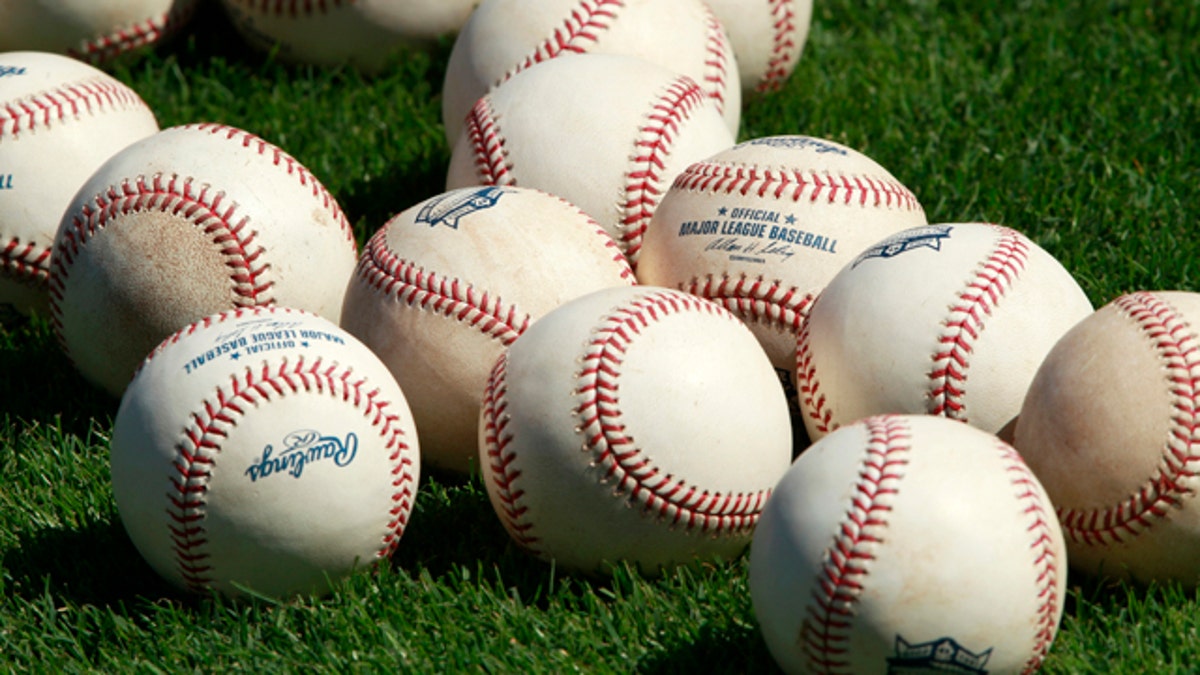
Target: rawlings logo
[448, 209]
[300, 448]
[11, 70]
[943, 655]
[929, 236]
[798, 143]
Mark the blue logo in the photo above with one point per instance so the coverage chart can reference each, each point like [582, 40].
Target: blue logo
[11, 70]
[5, 181]
[451, 207]
[301, 448]
[929, 236]
[798, 143]
[943, 655]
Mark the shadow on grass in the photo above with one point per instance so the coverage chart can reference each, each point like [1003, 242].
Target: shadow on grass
[715, 651]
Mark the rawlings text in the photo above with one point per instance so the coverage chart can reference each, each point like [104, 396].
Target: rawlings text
[301, 448]
[11, 70]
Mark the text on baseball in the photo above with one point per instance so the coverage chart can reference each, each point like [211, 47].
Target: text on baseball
[301, 448]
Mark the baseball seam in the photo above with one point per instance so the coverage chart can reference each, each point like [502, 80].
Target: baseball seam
[644, 181]
[491, 155]
[92, 96]
[501, 470]
[967, 320]
[201, 444]
[755, 299]
[1046, 562]
[293, 8]
[381, 269]
[825, 630]
[289, 164]
[205, 208]
[581, 25]
[813, 402]
[779, 66]
[716, 63]
[135, 35]
[1170, 485]
[26, 262]
[796, 184]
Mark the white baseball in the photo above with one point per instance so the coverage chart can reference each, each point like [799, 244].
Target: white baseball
[946, 319]
[606, 132]
[363, 33]
[443, 287]
[60, 119]
[267, 448]
[189, 222]
[908, 544]
[768, 38]
[762, 227]
[504, 37]
[1110, 426]
[638, 424]
[93, 30]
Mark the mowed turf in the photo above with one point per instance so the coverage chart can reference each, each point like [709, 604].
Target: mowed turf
[1074, 122]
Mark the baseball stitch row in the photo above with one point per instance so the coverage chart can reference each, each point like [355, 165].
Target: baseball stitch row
[202, 439]
[381, 269]
[496, 439]
[91, 97]
[25, 261]
[293, 8]
[1048, 565]
[139, 34]
[755, 299]
[716, 63]
[620, 460]
[491, 157]
[866, 191]
[644, 180]
[1173, 480]
[779, 65]
[286, 162]
[825, 630]
[578, 31]
[808, 385]
[952, 356]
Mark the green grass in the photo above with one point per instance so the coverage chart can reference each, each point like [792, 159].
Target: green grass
[1075, 122]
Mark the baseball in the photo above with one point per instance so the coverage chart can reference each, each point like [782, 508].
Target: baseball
[1109, 426]
[189, 222]
[263, 448]
[607, 133]
[634, 424]
[946, 319]
[60, 119]
[93, 30]
[762, 227]
[767, 36]
[443, 287]
[363, 33]
[904, 544]
[504, 37]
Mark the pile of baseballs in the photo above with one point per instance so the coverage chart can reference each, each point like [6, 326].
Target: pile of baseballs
[616, 315]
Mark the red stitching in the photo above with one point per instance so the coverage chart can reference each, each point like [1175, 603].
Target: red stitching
[809, 386]
[293, 8]
[202, 443]
[581, 25]
[993, 278]
[755, 299]
[1049, 567]
[491, 155]
[825, 632]
[780, 64]
[717, 63]
[284, 161]
[92, 96]
[744, 180]
[26, 262]
[496, 441]
[1167, 489]
[387, 273]
[644, 184]
[204, 207]
[138, 34]
[624, 464]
